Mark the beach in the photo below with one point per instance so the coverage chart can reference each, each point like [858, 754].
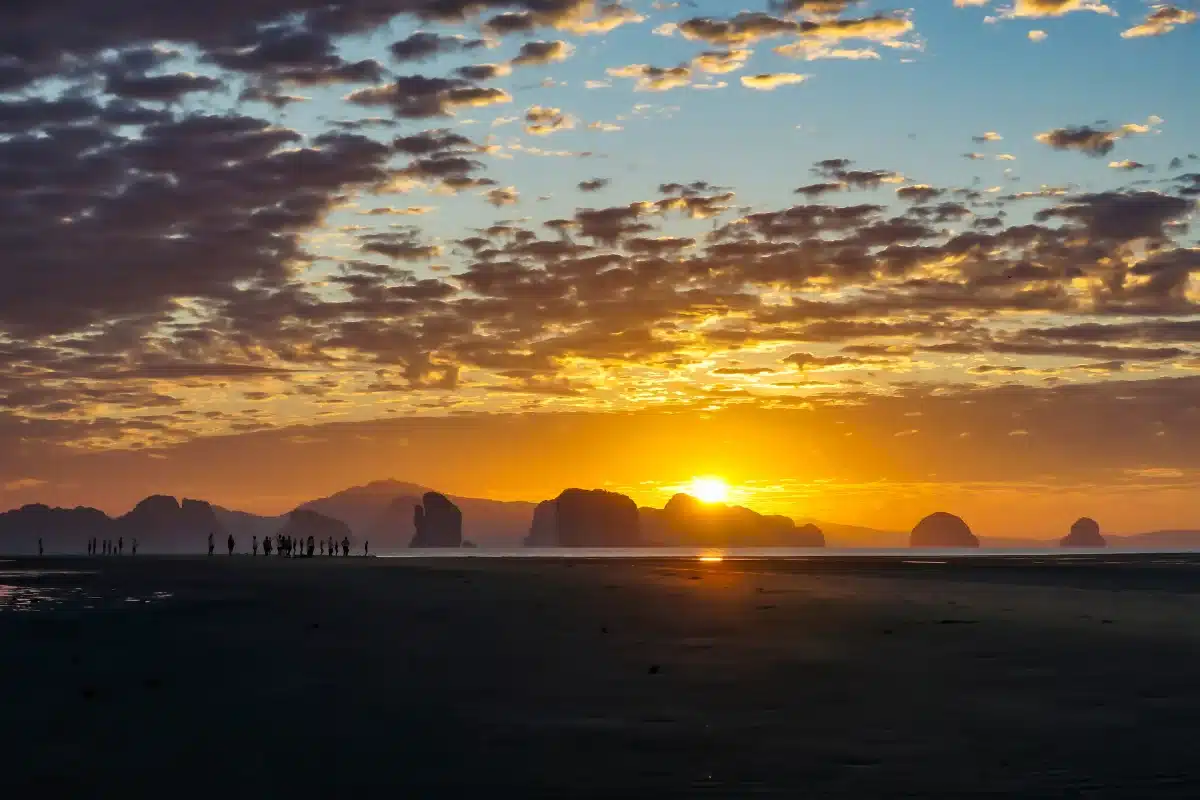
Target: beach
[874, 677]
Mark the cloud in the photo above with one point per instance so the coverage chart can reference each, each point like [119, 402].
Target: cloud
[483, 72]
[21, 484]
[769, 81]
[542, 121]
[1163, 19]
[542, 53]
[1089, 140]
[160, 88]
[503, 197]
[654, 79]
[422, 46]
[718, 62]
[1056, 8]
[1038, 36]
[417, 96]
[593, 185]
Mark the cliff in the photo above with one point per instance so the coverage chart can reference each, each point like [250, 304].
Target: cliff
[586, 518]
[437, 522]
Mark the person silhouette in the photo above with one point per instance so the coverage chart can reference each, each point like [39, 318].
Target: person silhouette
[366, 548]
[266, 545]
[322, 547]
[254, 545]
[345, 545]
[311, 546]
[230, 543]
[211, 546]
[41, 551]
[133, 547]
[332, 547]
[121, 545]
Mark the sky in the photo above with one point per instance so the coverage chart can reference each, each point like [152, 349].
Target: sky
[863, 261]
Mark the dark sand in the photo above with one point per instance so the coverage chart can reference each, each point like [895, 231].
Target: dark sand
[529, 678]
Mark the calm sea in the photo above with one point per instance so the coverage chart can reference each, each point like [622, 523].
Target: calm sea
[913, 554]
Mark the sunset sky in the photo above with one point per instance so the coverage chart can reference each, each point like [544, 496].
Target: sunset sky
[862, 261]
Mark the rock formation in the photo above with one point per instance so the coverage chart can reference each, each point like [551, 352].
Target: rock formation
[586, 518]
[303, 523]
[160, 521]
[1084, 533]
[62, 529]
[543, 532]
[686, 521]
[942, 530]
[437, 521]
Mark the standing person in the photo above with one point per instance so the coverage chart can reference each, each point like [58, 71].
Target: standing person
[41, 551]
[311, 546]
[254, 544]
[322, 547]
[345, 545]
[230, 543]
[366, 548]
[266, 545]
[332, 547]
[120, 545]
[133, 547]
[211, 546]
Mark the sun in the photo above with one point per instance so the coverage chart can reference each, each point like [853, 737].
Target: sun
[709, 490]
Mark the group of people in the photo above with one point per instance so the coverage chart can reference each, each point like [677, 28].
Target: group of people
[290, 546]
[106, 547]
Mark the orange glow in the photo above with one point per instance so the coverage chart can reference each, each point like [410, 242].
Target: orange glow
[712, 558]
[709, 489]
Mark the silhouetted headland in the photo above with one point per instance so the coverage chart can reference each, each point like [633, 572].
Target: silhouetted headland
[687, 521]
[586, 518]
[437, 522]
[1084, 533]
[941, 529]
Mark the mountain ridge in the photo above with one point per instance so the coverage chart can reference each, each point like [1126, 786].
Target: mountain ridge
[381, 511]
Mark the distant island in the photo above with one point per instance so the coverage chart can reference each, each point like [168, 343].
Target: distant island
[392, 515]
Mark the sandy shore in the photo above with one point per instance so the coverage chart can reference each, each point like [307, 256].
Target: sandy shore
[340, 678]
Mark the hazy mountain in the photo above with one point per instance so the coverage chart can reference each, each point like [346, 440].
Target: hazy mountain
[1157, 540]
[837, 535]
[244, 525]
[382, 511]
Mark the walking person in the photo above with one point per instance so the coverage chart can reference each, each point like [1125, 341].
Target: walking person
[366, 548]
[254, 545]
[41, 551]
[230, 543]
[311, 546]
[121, 545]
[266, 545]
[133, 547]
[345, 546]
[211, 547]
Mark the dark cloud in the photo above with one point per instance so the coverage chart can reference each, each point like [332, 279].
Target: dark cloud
[542, 53]
[160, 88]
[422, 45]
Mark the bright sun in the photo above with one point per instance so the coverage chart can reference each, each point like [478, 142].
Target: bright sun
[710, 490]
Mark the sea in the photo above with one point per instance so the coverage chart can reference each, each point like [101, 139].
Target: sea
[757, 553]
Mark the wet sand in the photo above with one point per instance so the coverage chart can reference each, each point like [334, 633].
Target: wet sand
[833, 677]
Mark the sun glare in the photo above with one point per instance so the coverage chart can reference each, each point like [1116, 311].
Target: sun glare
[709, 490]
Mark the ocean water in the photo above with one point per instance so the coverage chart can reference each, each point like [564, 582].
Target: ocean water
[912, 555]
